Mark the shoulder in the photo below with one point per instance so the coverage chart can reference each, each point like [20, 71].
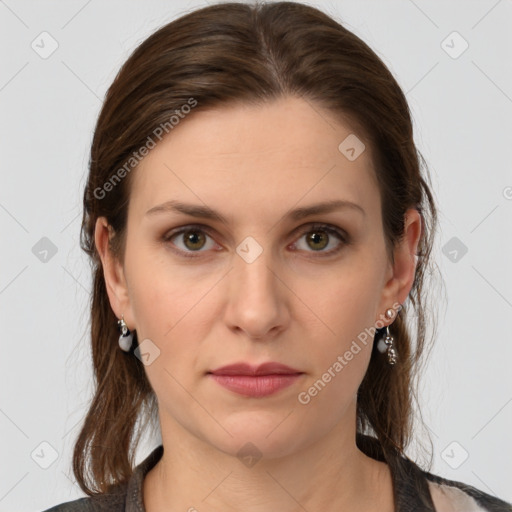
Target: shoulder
[418, 489]
[452, 496]
[128, 492]
[101, 502]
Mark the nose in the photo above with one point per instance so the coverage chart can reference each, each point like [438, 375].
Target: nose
[257, 298]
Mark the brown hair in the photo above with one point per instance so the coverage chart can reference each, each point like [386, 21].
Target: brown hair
[218, 55]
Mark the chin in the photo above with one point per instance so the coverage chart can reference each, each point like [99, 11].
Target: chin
[258, 434]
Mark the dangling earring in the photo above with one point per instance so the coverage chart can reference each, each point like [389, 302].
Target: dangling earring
[391, 352]
[126, 337]
[388, 340]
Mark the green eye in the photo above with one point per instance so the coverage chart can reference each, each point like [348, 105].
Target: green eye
[193, 239]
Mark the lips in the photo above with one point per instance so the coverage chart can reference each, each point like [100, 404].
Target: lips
[256, 381]
[271, 368]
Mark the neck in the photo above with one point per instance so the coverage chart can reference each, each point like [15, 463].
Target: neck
[330, 474]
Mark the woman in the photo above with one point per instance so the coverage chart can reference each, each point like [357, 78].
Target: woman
[257, 219]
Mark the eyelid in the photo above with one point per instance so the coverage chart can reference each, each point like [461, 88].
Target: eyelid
[187, 227]
[183, 229]
[332, 230]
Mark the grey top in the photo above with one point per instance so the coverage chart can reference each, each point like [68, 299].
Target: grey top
[415, 490]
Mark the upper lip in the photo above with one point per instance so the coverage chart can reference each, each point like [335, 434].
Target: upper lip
[270, 368]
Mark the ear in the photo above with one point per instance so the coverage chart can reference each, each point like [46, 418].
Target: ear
[401, 273]
[113, 272]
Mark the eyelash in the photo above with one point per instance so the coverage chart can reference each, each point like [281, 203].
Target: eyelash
[340, 234]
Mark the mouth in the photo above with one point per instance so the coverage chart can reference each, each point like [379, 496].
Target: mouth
[256, 382]
[270, 368]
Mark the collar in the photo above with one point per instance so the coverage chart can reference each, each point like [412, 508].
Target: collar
[134, 498]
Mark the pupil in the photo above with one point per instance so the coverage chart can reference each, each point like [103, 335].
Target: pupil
[193, 237]
[315, 238]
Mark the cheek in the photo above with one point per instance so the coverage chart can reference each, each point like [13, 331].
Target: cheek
[343, 304]
[172, 308]
[340, 367]
[341, 331]
[161, 293]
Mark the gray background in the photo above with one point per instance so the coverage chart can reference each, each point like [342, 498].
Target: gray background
[462, 105]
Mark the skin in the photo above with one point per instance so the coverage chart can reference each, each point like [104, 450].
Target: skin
[291, 305]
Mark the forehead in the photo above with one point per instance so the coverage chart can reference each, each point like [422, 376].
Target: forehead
[245, 157]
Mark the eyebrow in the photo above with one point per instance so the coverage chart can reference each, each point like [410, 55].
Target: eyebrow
[206, 212]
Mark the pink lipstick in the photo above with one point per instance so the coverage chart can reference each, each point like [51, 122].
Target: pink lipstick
[256, 382]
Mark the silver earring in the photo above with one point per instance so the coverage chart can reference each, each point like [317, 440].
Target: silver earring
[126, 337]
[388, 340]
[391, 352]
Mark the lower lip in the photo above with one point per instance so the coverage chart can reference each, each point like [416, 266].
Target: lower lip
[256, 386]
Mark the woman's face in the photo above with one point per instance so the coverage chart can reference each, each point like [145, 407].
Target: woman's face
[265, 284]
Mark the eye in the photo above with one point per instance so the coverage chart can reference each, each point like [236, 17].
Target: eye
[319, 236]
[193, 239]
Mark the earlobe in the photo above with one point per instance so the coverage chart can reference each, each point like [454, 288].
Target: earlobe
[113, 271]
